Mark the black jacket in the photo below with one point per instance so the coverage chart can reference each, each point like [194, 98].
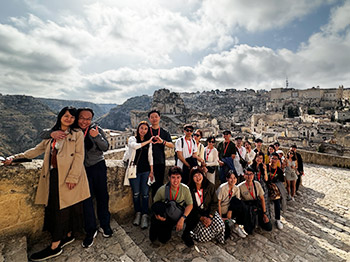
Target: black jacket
[210, 201]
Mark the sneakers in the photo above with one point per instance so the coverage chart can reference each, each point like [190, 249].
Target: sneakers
[279, 224]
[289, 198]
[144, 221]
[89, 240]
[46, 254]
[239, 231]
[293, 199]
[66, 241]
[107, 232]
[137, 219]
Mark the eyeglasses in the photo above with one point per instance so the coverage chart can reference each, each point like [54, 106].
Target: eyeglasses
[211, 141]
[249, 174]
[225, 134]
[196, 135]
[274, 158]
[85, 119]
[189, 130]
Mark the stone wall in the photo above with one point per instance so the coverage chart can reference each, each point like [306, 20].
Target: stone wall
[322, 159]
[19, 214]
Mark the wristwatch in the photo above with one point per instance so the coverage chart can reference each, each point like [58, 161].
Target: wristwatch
[184, 216]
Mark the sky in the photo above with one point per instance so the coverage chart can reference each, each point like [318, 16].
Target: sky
[110, 50]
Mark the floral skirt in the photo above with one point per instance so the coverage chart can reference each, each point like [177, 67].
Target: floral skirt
[215, 230]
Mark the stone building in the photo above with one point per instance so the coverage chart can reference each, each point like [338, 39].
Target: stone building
[174, 114]
[117, 139]
[342, 115]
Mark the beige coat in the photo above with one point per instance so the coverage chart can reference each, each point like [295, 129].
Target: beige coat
[70, 165]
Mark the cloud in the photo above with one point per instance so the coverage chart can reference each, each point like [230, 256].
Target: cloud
[110, 50]
[254, 15]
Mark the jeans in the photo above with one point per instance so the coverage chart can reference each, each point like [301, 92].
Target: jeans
[139, 186]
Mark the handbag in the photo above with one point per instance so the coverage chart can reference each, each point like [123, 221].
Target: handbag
[211, 169]
[131, 171]
[273, 191]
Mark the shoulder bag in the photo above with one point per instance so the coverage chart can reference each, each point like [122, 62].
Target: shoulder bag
[242, 161]
[131, 171]
[173, 210]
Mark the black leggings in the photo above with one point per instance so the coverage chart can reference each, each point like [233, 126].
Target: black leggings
[277, 204]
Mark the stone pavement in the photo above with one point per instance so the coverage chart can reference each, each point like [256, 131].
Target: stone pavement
[316, 228]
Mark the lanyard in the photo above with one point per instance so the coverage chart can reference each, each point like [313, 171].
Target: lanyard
[230, 193]
[53, 144]
[188, 146]
[208, 153]
[226, 147]
[274, 174]
[240, 150]
[259, 175]
[158, 131]
[251, 193]
[200, 196]
[176, 193]
[86, 131]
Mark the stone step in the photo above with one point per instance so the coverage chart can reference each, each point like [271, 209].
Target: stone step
[13, 249]
[120, 247]
[175, 249]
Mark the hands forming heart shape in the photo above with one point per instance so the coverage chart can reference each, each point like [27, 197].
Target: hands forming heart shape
[156, 140]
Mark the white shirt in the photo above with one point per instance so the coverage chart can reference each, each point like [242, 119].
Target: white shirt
[189, 147]
[238, 166]
[249, 157]
[211, 156]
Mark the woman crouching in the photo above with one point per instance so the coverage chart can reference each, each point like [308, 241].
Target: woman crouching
[204, 220]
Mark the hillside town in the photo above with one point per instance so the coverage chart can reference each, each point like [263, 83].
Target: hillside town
[316, 119]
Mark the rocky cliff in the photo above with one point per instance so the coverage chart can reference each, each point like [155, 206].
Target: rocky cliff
[57, 104]
[21, 120]
[118, 118]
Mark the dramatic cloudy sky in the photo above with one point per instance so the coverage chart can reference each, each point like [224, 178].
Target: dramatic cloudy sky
[110, 50]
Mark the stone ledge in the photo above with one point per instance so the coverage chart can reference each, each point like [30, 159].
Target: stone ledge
[17, 193]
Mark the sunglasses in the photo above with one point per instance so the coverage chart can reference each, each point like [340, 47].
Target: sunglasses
[211, 141]
[197, 135]
[225, 134]
[189, 130]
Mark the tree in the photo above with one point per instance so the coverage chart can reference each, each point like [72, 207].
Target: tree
[311, 111]
[292, 112]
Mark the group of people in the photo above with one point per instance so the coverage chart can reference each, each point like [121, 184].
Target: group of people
[249, 181]
[74, 171]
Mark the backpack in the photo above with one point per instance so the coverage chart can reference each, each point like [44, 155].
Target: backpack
[182, 146]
